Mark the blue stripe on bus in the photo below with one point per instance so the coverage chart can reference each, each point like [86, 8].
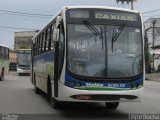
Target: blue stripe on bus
[43, 65]
[47, 57]
[74, 83]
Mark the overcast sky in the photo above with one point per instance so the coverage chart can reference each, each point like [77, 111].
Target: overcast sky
[50, 7]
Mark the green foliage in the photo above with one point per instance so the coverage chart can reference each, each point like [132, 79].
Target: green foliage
[24, 47]
[148, 57]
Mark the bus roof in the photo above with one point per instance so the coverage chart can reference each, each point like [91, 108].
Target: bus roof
[83, 6]
[4, 45]
[100, 7]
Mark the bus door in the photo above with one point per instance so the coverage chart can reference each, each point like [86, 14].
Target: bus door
[59, 59]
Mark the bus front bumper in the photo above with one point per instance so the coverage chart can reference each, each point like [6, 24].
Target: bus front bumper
[19, 70]
[76, 95]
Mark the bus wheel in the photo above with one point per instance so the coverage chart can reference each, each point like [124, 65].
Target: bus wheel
[36, 90]
[2, 75]
[55, 104]
[112, 105]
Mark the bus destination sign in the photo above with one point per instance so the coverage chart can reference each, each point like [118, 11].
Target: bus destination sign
[116, 16]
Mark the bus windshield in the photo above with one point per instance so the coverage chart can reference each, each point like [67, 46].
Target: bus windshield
[24, 59]
[116, 54]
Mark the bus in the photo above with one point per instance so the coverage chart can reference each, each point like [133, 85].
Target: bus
[90, 54]
[4, 61]
[23, 61]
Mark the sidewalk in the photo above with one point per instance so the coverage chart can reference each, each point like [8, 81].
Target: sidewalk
[153, 76]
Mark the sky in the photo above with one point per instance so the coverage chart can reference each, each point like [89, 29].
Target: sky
[51, 7]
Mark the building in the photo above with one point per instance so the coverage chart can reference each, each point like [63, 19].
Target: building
[152, 32]
[22, 40]
[12, 56]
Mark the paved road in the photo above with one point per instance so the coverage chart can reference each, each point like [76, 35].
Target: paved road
[17, 96]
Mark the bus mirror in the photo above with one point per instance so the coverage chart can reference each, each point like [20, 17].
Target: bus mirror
[58, 21]
[56, 34]
[56, 29]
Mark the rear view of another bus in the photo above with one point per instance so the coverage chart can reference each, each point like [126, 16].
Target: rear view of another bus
[23, 61]
[4, 61]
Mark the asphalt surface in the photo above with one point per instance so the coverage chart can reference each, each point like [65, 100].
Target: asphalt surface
[17, 97]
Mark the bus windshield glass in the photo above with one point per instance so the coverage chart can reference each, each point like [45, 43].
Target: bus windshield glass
[105, 50]
[24, 59]
[4, 52]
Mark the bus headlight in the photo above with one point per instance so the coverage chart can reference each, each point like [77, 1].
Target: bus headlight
[72, 84]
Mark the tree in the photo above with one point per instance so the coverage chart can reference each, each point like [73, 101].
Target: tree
[148, 56]
[23, 47]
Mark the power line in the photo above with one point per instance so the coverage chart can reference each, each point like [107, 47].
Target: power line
[25, 13]
[3, 29]
[9, 27]
[152, 16]
[151, 11]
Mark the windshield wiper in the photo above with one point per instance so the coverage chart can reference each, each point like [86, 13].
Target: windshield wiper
[117, 34]
[93, 29]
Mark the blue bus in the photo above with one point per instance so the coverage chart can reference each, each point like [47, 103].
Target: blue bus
[90, 54]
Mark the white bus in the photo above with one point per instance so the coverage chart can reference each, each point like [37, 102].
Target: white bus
[4, 61]
[23, 61]
[90, 54]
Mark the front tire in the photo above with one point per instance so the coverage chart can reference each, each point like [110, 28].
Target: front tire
[54, 103]
[36, 90]
[2, 76]
[112, 105]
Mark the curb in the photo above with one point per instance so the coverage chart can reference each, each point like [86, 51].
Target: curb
[149, 79]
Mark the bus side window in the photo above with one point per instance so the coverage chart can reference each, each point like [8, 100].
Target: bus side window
[50, 37]
[52, 43]
[5, 53]
[8, 53]
[42, 43]
[1, 52]
[39, 47]
[47, 39]
[35, 47]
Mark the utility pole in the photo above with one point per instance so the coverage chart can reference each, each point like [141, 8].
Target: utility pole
[132, 5]
[147, 53]
[153, 38]
[128, 1]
